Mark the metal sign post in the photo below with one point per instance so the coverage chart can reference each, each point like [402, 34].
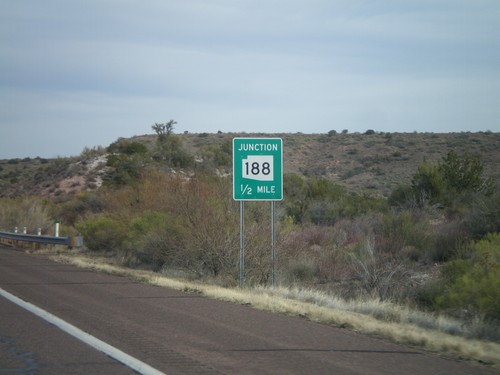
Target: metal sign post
[257, 176]
[273, 240]
[242, 243]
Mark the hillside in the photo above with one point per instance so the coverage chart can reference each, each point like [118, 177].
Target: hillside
[371, 162]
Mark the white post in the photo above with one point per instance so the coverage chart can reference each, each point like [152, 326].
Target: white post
[57, 229]
[25, 230]
[15, 229]
[39, 232]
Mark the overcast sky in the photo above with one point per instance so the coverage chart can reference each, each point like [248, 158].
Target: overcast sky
[84, 73]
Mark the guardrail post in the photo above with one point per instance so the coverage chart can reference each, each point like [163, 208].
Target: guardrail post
[25, 230]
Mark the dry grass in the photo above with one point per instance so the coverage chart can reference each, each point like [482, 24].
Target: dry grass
[374, 318]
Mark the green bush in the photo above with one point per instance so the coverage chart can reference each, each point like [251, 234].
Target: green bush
[295, 189]
[406, 229]
[483, 215]
[300, 271]
[126, 168]
[151, 238]
[449, 239]
[402, 197]
[104, 233]
[170, 150]
[156, 238]
[123, 146]
[217, 155]
[321, 201]
[472, 286]
[427, 184]
[454, 176]
[70, 211]
[464, 174]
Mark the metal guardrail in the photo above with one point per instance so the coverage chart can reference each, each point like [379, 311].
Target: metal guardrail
[71, 242]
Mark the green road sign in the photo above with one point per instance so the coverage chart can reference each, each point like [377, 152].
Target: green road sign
[257, 169]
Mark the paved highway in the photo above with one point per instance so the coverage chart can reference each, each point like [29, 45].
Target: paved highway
[175, 332]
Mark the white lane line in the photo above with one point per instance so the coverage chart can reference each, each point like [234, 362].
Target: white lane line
[111, 351]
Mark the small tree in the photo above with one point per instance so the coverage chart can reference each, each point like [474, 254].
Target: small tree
[169, 147]
[163, 130]
[427, 184]
[453, 176]
[465, 174]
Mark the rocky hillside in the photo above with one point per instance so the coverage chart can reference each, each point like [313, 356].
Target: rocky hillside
[370, 162]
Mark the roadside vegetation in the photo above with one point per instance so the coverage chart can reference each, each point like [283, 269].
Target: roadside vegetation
[423, 257]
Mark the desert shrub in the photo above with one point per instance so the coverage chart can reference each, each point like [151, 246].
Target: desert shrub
[321, 201]
[377, 274]
[83, 202]
[295, 189]
[139, 236]
[354, 205]
[123, 146]
[451, 178]
[154, 191]
[310, 253]
[215, 156]
[59, 167]
[29, 212]
[170, 221]
[448, 239]
[320, 188]
[470, 288]
[212, 223]
[300, 239]
[465, 174]
[427, 184]
[126, 168]
[156, 239]
[398, 231]
[170, 150]
[348, 257]
[483, 215]
[104, 232]
[88, 153]
[421, 235]
[403, 197]
[323, 213]
[299, 271]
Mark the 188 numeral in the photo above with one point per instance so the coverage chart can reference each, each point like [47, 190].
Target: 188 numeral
[256, 169]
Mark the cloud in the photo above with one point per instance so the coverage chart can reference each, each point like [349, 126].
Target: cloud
[115, 67]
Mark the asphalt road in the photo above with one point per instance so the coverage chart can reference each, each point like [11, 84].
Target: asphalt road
[176, 332]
